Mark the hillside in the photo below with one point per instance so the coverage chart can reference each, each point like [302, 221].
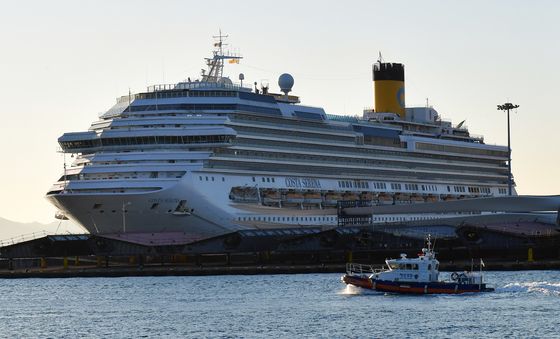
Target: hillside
[10, 229]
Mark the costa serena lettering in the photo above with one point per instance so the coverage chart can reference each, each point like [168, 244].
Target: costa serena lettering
[303, 182]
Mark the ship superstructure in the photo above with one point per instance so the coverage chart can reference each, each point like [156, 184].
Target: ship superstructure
[210, 156]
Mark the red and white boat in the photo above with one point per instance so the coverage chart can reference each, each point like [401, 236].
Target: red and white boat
[414, 276]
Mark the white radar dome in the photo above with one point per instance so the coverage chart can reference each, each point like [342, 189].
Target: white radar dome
[286, 82]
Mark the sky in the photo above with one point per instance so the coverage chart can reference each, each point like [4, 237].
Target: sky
[62, 63]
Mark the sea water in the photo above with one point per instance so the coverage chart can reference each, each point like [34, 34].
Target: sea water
[525, 305]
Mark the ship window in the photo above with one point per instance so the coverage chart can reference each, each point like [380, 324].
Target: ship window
[223, 179]
[262, 179]
[408, 267]
[212, 178]
[206, 178]
[254, 179]
[429, 267]
[414, 266]
[272, 179]
[267, 179]
[97, 206]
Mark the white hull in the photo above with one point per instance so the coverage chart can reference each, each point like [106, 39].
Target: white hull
[209, 210]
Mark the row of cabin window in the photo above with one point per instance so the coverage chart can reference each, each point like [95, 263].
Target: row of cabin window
[461, 150]
[184, 93]
[204, 107]
[353, 184]
[264, 179]
[151, 140]
[363, 151]
[286, 219]
[206, 178]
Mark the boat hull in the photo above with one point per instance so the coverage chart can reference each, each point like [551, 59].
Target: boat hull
[414, 287]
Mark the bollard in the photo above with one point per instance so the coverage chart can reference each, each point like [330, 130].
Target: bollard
[77, 261]
[65, 262]
[349, 256]
[99, 261]
[131, 260]
[530, 254]
[43, 262]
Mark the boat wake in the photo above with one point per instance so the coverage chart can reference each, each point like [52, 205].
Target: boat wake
[354, 290]
[541, 287]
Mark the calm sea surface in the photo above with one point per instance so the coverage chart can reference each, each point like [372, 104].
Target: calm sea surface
[525, 305]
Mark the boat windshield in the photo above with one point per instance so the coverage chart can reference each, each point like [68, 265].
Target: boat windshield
[402, 266]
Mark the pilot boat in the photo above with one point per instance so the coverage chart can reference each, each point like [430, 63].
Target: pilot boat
[414, 276]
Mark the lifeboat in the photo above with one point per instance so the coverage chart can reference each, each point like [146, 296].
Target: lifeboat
[331, 199]
[293, 198]
[416, 198]
[350, 196]
[431, 198]
[244, 194]
[312, 198]
[385, 198]
[366, 196]
[271, 198]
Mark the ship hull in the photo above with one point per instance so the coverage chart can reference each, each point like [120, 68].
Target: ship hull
[414, 287]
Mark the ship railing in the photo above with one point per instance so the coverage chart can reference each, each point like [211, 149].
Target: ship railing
[361, 269]
[22, 238]
[195, 85]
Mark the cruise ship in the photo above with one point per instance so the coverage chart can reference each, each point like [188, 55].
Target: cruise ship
[210, 156]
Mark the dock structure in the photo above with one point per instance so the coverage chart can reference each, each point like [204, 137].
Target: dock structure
[523, 244]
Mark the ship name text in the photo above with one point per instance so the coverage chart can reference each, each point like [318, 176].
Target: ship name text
[303, 182]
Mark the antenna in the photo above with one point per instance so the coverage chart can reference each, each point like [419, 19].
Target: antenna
[129, 100]
[216, 62]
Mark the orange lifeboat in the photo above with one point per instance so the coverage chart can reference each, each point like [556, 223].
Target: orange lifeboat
[271, 198]
[312, 198]
[331, 199]
[293, 198]
[350, 196]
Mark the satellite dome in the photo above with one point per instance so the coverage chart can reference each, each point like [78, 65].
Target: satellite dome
[286, 82]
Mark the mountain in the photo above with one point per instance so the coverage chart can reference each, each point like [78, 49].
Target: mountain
[11, 229]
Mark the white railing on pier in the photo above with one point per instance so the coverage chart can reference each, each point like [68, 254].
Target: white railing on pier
[22, 238]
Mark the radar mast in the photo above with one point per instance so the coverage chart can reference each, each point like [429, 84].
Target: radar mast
[216, 63]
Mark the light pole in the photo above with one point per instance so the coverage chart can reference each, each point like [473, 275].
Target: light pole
[507, 107]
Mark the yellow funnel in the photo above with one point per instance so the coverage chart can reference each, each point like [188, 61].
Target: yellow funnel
[388, 80]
